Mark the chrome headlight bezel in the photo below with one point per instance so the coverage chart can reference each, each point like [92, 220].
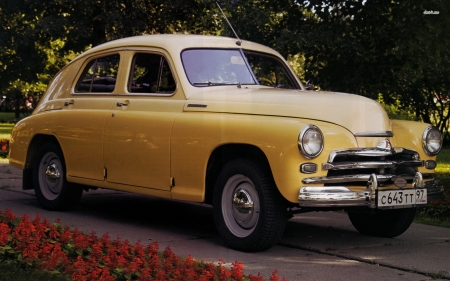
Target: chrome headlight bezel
[305, 136]
[432, 148]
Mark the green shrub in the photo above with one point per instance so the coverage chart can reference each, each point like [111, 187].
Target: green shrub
[395, 111]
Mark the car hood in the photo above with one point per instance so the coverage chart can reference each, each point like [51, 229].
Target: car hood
[356, 113]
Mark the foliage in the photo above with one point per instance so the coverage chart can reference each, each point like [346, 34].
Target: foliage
[396, 111]
[4, 148]
[32, 29]
[37, 38]
[5, 135]
[440, 209]
[394, 48]
[18, 272]
[389, 47]
[58, 250]
[297, 63]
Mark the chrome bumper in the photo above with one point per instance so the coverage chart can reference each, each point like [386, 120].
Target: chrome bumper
[342, 196]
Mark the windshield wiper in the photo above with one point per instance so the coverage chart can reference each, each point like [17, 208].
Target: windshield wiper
[209, 83]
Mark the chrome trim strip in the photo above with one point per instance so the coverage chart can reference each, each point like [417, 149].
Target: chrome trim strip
[358, 152]
[349, 178]
[50, 109]
[372, 186]
[361, 177]
[418, 181]
[369, 164]
[375, 134]
[332, 196]
[123, 95]
[342, 196]
[371, 152]
[197, 105]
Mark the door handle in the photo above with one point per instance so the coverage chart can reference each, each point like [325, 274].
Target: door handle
[67, 103]
[120, 104]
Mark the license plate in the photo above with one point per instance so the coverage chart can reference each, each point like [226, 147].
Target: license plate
[388, 198]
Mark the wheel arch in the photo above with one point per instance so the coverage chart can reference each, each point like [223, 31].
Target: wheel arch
[37, 141]
[226, 153]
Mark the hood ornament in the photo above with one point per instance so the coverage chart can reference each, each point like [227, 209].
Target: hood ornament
[385, 145]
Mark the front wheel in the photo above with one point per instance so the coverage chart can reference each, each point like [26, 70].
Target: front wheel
[249, 212]
[52, 190]
[383, 223]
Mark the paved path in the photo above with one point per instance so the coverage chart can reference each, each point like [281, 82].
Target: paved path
[315, 246]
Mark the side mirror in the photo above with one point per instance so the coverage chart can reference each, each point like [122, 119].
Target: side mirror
[309, 85]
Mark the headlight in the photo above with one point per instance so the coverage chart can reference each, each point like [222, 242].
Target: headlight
[432, 141]
[310, 141]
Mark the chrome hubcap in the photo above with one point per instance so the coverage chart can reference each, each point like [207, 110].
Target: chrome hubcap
[52, 173]
[240, 205]
[51, 179]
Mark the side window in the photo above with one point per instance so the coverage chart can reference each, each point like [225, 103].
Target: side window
[269, 71]
[151, 73]
[99, 75]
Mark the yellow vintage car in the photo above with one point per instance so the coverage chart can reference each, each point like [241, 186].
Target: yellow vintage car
[224, 122]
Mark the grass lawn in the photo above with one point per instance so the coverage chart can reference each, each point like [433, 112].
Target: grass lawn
[443, 167]
[443, 161]
[439, 214]
[8, 117]
[5, 130]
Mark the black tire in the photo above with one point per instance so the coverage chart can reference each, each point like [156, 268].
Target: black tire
[383, 223]
[52, 190]
[248, 227]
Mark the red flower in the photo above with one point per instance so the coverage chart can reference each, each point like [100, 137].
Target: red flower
[79, 269]
[31, 252]
[4, 234]
[57, 257]
[236, 270]
[4, 144]
[256, 278]
[106, 275]
[87, 257]
[9, 216]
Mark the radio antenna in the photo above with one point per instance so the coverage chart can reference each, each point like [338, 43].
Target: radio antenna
[239, 42]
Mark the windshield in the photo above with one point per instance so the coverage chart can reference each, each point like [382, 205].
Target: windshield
[214, 67]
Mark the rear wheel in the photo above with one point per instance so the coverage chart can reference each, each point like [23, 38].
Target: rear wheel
[249, 212]
[383, 223]
[49, 180]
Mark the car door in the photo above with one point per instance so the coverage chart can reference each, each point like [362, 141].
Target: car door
[137, 132]
[79, 126]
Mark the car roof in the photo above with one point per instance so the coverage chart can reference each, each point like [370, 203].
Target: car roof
[178, 42]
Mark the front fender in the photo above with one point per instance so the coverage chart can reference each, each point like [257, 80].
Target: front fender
[408, 134]
[196, 135]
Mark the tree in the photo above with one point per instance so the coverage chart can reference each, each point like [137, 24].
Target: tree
[396, 48]
[35, 32]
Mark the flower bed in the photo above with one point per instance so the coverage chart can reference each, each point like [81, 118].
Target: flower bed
[4, 148]
[438, 209]
[59, 250]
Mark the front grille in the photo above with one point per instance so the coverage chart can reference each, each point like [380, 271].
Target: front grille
[353, 167]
